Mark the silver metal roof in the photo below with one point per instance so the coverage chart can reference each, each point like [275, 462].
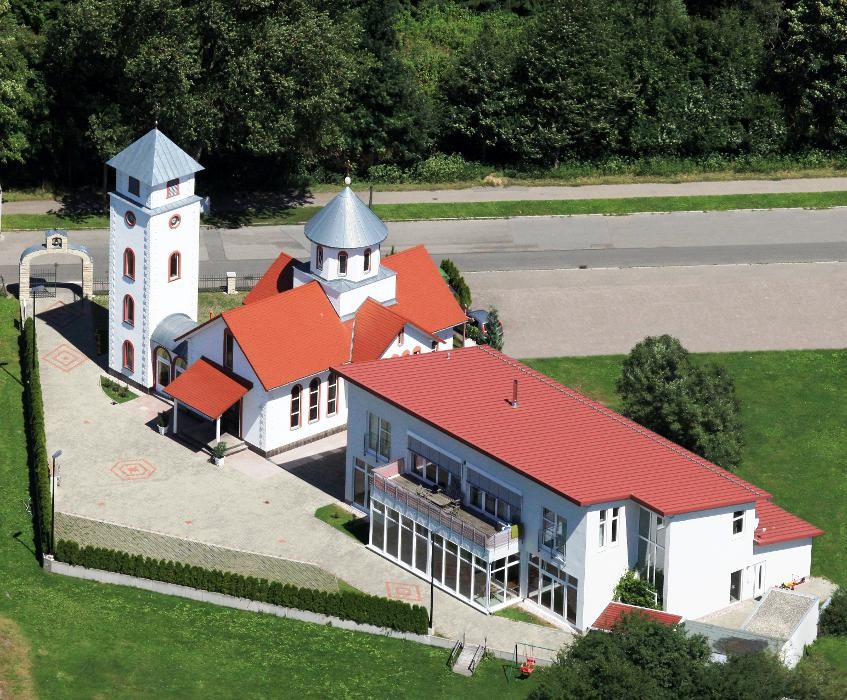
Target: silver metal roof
[170, 328]
[154, 159]
[346, 222]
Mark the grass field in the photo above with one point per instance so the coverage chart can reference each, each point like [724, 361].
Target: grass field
[521, 615]
[471, 210]
[87, 640]
[354, 526]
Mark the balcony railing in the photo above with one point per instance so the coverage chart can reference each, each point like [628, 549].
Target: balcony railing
[434, 513]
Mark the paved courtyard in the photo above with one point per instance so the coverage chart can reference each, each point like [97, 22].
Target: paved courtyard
[116, 467]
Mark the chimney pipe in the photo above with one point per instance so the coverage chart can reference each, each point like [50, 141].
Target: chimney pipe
[515, 393]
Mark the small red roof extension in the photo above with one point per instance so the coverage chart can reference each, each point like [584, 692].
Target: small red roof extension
[375, 328]
[291, 335]
[778, 525]
[422, 295]
[556, 436]
[279, 277]
[208, 388]
[614, 611]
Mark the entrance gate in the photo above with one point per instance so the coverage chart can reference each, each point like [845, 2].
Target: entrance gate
[34, 282]
[42, 281]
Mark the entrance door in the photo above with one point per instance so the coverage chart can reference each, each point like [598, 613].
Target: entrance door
[163, 369]
[231, 420]
[758, 579]
[735, 586]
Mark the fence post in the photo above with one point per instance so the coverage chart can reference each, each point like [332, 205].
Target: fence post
[230, 283]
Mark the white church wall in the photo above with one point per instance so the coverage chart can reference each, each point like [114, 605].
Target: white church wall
[158, 196]
[414, 342]
[355, 263]
[383, 291]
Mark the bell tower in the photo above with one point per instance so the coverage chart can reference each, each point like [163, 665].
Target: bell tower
[154, 241]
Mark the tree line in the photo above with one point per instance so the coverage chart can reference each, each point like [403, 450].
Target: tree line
[272, 91]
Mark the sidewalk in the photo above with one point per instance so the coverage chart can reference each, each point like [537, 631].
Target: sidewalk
[249, 504]
[525, 193]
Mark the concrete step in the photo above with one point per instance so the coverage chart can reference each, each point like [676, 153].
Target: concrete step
[463, 663]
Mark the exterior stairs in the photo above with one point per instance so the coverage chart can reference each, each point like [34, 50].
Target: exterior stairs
[468, 658]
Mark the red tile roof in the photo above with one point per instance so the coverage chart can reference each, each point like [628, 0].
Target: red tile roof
[279, 277]
[209, 388]
[614, 611]
[778, 525]
[290, 335]
[374, 330]
[422, 295]
[556, 436]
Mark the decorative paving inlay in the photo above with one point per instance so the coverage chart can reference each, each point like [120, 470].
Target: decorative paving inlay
[64, 357]
[402, 591]
[133, 469]
[60, 314]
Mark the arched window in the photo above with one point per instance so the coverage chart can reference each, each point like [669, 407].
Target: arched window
[367, 259]
[314, 395]
[417, 350]
[342, 263]
[180, 365]
[129, 264]
[296, 390]
[319, 257]
[163, 366]
[332, 394]
[128, 356]
[129, 310]
[174, 266]
[229, 346]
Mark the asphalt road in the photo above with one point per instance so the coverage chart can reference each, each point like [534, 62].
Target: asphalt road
[529, 243]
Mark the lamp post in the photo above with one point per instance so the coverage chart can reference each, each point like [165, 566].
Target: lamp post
[56, 455]
[431, 579]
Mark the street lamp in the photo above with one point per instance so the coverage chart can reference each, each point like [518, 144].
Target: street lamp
[56, 455]
[431, 578]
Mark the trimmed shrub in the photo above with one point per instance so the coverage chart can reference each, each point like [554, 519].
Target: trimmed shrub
[348, 605]
[834, 619]
[39, 470]
[636, 591]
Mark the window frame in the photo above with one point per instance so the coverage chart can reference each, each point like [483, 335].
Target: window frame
[319, 257]
[172, 188]
[367, 262]
[228, 353]
[381, 438]
[133, 186]
[342, 263]
[314, 400]
[332, 394]
[129, 310]
[129, 270]
[557, 525]
[737, 523]
[609, 527]
[128, 356]
[175, 255]
[295, 411]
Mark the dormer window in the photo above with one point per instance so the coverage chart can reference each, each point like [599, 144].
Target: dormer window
[319, 257]
[173, 188]
[342, 263]
[401, 336]
[134, 186]
[367, 259]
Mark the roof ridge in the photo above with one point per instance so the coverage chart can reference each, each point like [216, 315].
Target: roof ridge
[632, 425]
[266, 300]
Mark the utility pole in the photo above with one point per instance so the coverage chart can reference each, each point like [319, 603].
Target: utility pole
[56, 455]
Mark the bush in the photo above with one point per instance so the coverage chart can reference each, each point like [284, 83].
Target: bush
[348, 605]
[834, 619]
[39, 470]
[443, 168]
[633, 590]
[454, 278]
[387, 174]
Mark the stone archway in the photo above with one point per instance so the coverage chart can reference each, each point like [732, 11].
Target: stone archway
[56, 241]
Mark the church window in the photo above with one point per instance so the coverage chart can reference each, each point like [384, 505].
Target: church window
[129, 310]
[314, 395]
[319, 257]
[367, 259]
[342, 263]
[134, 186]
[174, 266]
[296, 390]
[332, 394]
[128, 356]
[229, 346]
[129, 263]
[173, 188]
[129, 219]
[175, 221]
[401, 336]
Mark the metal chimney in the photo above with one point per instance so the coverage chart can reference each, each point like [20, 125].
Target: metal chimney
[515, 393]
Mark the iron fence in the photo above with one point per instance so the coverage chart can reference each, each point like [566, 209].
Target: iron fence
[244, 282]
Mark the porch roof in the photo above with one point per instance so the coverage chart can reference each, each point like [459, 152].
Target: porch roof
[208, 388]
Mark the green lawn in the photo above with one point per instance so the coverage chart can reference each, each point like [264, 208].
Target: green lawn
[466, 210]
[521, 615]
[89, 640]
[794, 413]
[354, 526]
[214, 302]
[117, 392]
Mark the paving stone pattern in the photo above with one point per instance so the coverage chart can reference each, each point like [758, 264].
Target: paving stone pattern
[97, 533]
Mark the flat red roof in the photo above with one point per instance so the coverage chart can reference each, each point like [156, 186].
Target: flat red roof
[778, 525]
[208, 388]
[613, 612]
[556, 436]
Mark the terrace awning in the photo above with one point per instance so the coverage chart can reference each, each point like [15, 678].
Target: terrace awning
[208, 388]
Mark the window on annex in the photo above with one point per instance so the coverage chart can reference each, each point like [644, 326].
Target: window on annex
[134, 186]
[332, 394]
[434, 467]
[314, 396]
[554, 531]
[552, 587]
[735, 586]
[129, 310]
[651, 549]
[505, 579]
[488, 496]
[296, 390]
[379, 437]
[129, 264]
[174, 266]
[738, 522]
[180, 365]
[128, 356]
[609, 526]
[342, 263]
[173, 188]
[367, 259]
[229, 349]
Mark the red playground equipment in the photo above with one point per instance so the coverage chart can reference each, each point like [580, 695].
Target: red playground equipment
[527, 667]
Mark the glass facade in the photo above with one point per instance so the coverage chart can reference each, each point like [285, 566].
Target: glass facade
[552, 588]
[651, 549]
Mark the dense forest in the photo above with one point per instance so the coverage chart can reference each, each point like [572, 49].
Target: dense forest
[393, 89]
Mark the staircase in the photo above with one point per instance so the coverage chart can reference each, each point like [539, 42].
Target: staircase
[470, 656]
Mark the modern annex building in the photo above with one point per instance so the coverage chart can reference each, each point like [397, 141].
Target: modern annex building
[517, 487]
[259, 372]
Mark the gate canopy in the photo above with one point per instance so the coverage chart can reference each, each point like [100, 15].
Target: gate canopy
[55, 241]
[208, 388]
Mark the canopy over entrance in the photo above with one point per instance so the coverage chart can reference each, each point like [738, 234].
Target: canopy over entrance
[208, 388]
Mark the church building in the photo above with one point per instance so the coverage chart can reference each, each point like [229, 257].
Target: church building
[261, 372]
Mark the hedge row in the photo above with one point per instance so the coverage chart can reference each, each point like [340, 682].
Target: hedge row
[39, 473]
[348, 605]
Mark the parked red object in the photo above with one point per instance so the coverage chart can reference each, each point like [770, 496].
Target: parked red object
[528, 667]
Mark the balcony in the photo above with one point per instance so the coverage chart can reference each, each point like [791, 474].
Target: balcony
[437, 507]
